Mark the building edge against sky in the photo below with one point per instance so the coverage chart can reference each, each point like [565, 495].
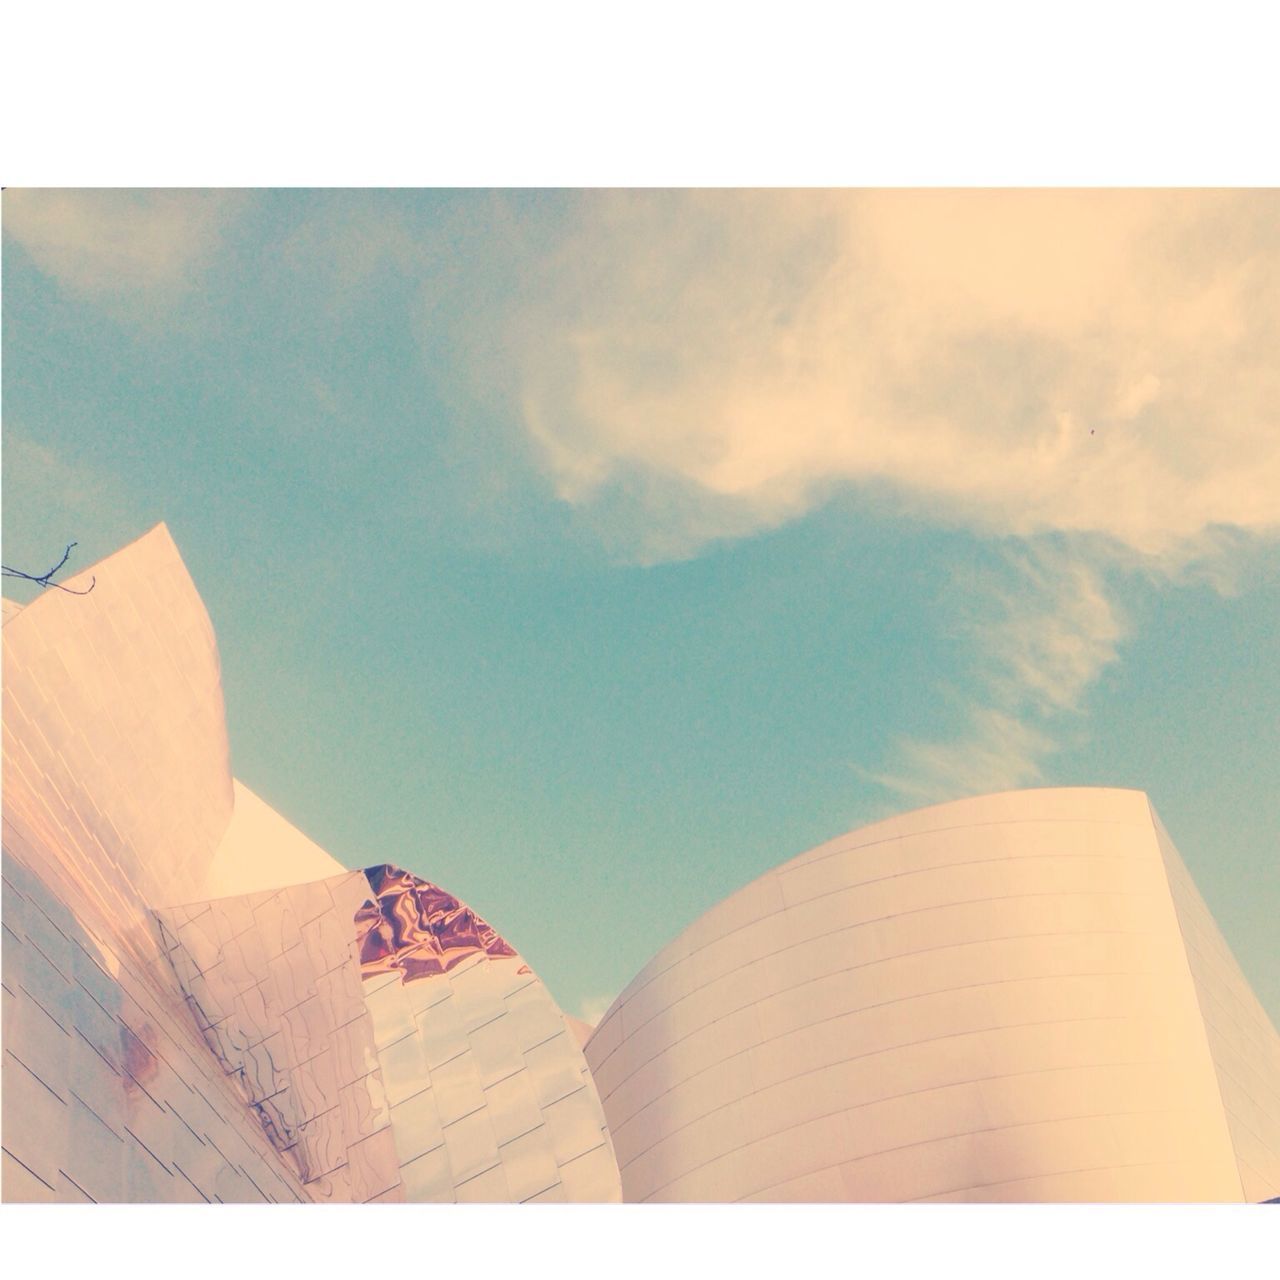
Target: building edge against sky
[1018, 997]
[200, 1003]
[1015, 997]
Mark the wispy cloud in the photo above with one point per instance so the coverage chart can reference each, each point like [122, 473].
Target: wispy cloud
[1046, 640]
[998, 753]
[121, 247]
[1039, 640]
[1095, 368]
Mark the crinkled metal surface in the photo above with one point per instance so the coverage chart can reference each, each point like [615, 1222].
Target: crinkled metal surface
[416, 929]
[109, 1092]
[391, 1044]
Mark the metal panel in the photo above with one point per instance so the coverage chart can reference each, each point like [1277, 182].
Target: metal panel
[988, 997]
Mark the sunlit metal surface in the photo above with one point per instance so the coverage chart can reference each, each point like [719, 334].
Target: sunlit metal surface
[391, 1044]
[109, 1092]
[1015, 997]
[117, 792]
[116, 763]
[1242, 1041]
[240, 1049]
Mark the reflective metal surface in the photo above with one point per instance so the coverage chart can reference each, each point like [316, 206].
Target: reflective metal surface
[387, 1037]
[108, 1092]
[1016, 997]
[357, 1036]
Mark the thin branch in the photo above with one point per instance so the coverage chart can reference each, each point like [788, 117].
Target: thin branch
[46, 579]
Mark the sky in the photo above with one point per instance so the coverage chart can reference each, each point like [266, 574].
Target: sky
[591, 553]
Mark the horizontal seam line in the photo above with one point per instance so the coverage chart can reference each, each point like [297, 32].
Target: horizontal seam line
[847, 928]
[955, 1084]
[787, 867]
[868, 964]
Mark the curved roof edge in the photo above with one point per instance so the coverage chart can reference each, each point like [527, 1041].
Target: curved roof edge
[119, 712]
[1028, 804]
[81, 577]
[1124, 802]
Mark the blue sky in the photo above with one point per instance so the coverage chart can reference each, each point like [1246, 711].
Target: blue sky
[592, 553]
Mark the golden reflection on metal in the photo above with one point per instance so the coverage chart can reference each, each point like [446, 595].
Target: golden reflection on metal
[414, 927]
[279, 1045]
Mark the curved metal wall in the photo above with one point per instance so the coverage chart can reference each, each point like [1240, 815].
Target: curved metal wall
[985, 1000]
[391, 1045]
[115, 740]
[360, 1036]
[1242, 1041]
[117, 792]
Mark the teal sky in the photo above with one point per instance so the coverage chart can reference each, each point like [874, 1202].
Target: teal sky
[590, 554]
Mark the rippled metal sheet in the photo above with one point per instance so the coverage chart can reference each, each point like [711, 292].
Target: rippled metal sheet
[109, 1093]
[416, 929]
[117, 792]
[360, 1037]
[391, 1043]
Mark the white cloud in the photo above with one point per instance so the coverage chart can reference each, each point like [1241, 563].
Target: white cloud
[1099, 362]
[1048, 638]
[1095, 366]
[998, 753]
[121, 246]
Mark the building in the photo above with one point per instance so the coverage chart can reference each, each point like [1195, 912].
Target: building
[201, 1004]
[1015, 997]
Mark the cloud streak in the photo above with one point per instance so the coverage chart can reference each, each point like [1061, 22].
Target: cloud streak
[1039, 638]
[122, 248]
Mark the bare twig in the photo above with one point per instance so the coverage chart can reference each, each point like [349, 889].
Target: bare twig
[46, 579]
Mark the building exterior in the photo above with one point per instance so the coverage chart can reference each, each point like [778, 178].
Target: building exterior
[200, 1003]
[1014, 997]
